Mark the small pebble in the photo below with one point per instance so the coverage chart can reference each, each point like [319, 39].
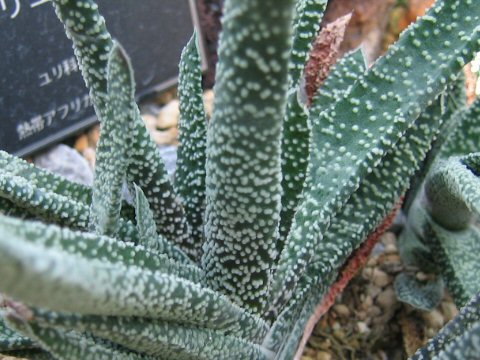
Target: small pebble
[367, 273]
[387, 298]
[362, 327]
[367, 303]
[422, 276]
[374, 311]
[208, 102]
[434, 319]
[94, 135]
[89, 155]
[390, 249]
[169, 115]
[389, 239]
[342, 310]
[81, 143]
[323, 355]
[373, 290]
[150, 122]
[166, 137]
[381, 278]
[449, 310]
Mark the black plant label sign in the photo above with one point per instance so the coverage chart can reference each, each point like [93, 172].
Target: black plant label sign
[43, 98]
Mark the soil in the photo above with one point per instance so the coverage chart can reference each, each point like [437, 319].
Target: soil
[367, 322]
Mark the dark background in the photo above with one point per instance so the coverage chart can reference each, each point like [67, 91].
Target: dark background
[33, 43]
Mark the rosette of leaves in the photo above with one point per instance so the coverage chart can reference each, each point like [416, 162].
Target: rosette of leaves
[271, 200]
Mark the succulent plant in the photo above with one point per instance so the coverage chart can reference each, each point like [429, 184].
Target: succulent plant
[458, 339]
[274, 203]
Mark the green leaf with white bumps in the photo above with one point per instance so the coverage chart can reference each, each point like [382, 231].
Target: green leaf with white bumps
[93, 286]
[456, 258]
[451, 334]
[92, 44]
[421, 295]
[114, 145]
[296, 132]
[344, 162]
[10, 340]
[147, 230]
[450, 103]
[160, 339]
[44, 179]
[43, 204]
[464, 137]
[453, 193]
[191, 157]
[66, 345]
[401, 84]
[92, 246]
[308, 15]
[243, 150]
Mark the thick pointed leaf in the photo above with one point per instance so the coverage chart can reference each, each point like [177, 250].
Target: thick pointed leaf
[296, 132]
[147, 230]
[190, 172]
[464, 137]
[114, 145]
[461, 325]
[456, 256]
[356, 133]
[308, 15]
[164, 339]
[11, 341]
[243, 150]
[53, 208]
[55, 279]
[44, 179]
[102, 248]
[71, 345]
[296, 138]
[92, 42]
[452, 102]
[421, 295]
[43, 204]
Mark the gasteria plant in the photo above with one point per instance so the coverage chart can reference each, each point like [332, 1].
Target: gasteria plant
[274, 203]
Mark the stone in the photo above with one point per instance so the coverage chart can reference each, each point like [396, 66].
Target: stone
[421, 276]
[323, 355]
[389, 238]
[208, 97]
[434, 319]
[81, 143]
[169, 115]
[367, 273]
[387, 299]
[373, 291]
[89, 155]
[362, 327]
[150, 122]
[63, 160]
[342, 310]
[374, 311]
[381, 278]
[390, 249]
[165, 137]
[169, 156]
[449, 310]
[368, 302]
[94, 135]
